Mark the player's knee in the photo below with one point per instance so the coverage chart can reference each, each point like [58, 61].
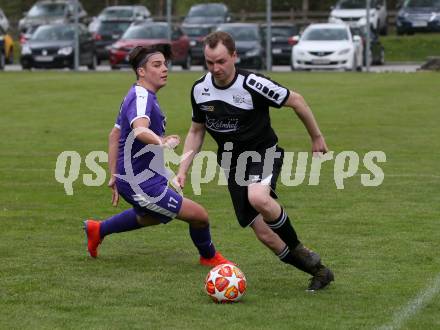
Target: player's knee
[258, 200]
[200, 218]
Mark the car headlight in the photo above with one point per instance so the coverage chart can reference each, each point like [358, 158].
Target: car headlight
[65, 50]
[26, 50]
[253, 52]
[344, 51]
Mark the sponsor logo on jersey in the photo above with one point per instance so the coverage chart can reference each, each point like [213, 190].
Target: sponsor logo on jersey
[238, 99]
[219, 125]
[264, 89]
[204, 107]
[206, 92]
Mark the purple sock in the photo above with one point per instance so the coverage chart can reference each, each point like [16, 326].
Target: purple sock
[201, 238]
[119, 223]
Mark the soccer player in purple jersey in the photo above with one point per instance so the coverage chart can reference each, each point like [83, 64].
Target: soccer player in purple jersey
[136, 145]
[232, 105]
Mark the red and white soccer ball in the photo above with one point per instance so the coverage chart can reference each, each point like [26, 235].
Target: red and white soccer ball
[225, 283]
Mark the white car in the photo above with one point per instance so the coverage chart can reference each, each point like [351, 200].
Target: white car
[4, 23]
[327, 46]
[354, 13]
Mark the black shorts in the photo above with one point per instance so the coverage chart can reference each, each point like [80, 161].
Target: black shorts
[254, 172]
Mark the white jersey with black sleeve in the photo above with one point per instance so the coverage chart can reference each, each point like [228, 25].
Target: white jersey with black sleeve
[239, 112]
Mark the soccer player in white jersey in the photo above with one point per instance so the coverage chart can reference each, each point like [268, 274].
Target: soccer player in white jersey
[233, 106]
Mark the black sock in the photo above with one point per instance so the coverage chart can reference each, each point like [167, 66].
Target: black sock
[284, 229]
[297, 261]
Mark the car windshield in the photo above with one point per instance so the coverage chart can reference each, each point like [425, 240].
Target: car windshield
[112, 27]
[116, 13]
[47, 9]
[325, 34]
[146, 32]
[241, 33]
[422, 3]
[353, 4]
[196, 31]
[209, 10]
[53, 33]
[281, 31]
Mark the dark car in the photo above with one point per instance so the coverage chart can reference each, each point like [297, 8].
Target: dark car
[107, 33]
[132, 13]
[150, 34]
[418, 16]
[2, 54]
[282, 41]
[50, 12]
[208, 13]
[196, 34]
[377, 51]
[248, 43]
[52, 46]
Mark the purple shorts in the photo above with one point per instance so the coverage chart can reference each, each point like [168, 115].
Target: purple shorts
[157, 200]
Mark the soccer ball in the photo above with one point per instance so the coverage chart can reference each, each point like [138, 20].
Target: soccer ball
[225, 283]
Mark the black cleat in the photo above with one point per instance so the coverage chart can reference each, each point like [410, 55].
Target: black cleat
[321, 279]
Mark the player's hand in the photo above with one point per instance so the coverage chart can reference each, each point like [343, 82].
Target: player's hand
[179, 180]
[171, 141]
[115, 193]
[319, 146]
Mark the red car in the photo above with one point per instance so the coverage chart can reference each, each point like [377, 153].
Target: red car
[149, 34]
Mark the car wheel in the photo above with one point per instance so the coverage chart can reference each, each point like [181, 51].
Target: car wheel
[187, 64]
[10, 59]
[2, 61]
[93, 65]
[381, 57]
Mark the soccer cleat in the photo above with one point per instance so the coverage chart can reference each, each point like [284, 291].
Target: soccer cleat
[91, 228]
[216, 260]
[322, 278]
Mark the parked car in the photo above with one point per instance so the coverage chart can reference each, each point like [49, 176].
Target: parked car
[106, 34]
[196, 33]
[377, 51]
[282, 41]
[248, 43]
[121, 13]
[2, 54]
[150, 34]
[131, 13]
[51, 11]
[327, 46]
[354, 13]
[52, 46]
[208, 13]
[8, 46]
[418, 16]
[4, 23]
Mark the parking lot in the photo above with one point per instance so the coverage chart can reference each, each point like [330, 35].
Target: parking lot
[395, 67]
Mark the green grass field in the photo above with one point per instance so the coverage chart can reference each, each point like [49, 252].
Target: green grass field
[382, 242]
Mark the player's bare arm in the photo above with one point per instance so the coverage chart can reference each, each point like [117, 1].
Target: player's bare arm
[147, 136]
[193, 144]
[299, 105]
[113, 142]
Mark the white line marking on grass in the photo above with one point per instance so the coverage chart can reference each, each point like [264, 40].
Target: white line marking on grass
[408, 311]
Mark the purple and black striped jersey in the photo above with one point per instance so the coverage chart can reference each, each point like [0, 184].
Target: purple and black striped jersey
[140, 102]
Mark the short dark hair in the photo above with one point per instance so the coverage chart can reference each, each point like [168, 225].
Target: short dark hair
[213, 39]
[139, 53]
